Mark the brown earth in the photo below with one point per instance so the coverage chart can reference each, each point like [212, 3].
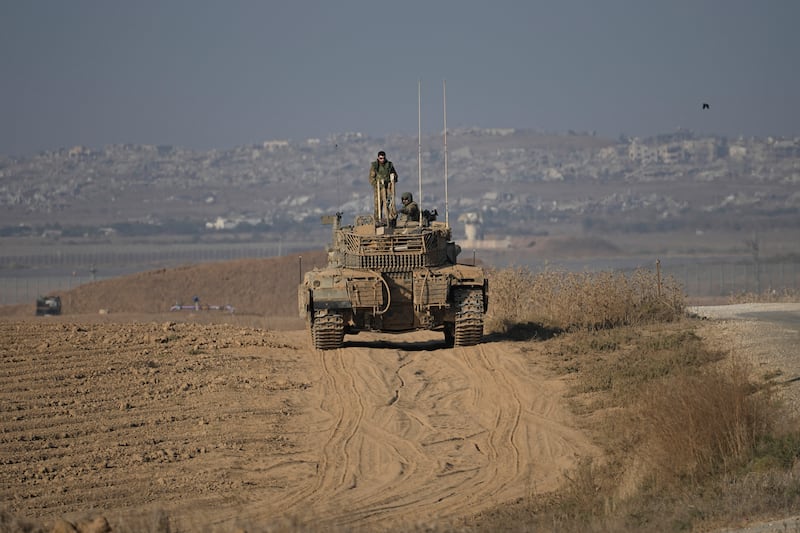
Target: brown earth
[207, 420]
[134, 417]
[216, 419]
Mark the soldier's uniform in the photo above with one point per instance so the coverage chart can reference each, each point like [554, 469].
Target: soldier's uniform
[410, 210]
[382, 177]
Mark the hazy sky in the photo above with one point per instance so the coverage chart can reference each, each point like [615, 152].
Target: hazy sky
[204, 74]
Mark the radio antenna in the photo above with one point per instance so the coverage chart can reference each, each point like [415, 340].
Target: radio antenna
[419, 147]
[446, 204]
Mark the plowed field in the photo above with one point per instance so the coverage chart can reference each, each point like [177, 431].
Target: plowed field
[221, 424]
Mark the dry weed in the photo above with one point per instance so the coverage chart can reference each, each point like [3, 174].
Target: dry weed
[676, 429]
[560, 300]
[705, 424]
[785, 295]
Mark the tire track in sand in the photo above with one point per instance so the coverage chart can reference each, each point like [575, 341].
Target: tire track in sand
[506, 407]
[441, 433]
[361, 461]
[340, 410]
[336, 462]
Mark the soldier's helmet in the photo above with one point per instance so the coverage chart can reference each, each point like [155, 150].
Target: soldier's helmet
[406, 196]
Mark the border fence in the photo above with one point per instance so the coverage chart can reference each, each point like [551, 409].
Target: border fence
[708, 277]
[725, 279]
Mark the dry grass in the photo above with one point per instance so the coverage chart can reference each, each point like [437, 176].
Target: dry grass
[557, 300]
[691, 441]
[690, 444]
[679, 422]
[768, 296]
[701, 425]
[618, 361]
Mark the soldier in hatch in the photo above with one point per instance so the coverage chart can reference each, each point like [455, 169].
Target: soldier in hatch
[410, 210]
[382, 177]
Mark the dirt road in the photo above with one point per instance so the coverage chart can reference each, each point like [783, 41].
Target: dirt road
[224, 424]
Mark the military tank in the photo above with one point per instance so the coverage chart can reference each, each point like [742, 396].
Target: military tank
[393, 278]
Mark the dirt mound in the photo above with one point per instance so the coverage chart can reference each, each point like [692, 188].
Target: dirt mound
[251, 286]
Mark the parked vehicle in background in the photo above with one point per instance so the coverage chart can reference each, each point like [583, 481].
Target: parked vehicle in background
[48, 305]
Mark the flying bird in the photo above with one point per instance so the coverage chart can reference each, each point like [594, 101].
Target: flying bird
[706, 106]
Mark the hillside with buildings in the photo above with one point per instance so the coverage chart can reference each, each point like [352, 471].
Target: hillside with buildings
[512, 183]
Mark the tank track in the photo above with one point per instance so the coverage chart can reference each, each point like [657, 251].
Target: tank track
[469, 316]
[327, 331]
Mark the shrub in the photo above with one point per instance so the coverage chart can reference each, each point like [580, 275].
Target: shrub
[706, 423]
[571, 300]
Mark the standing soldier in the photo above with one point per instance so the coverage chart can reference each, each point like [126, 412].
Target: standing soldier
[382, 177]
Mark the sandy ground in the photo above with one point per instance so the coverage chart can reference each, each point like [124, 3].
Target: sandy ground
[223, 424]
[211, 420]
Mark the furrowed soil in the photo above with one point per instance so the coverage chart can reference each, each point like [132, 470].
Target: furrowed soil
[206, 420]
[218, 424]
[216, 420]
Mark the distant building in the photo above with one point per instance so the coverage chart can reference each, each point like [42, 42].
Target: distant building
[78, 152]
[221, 223]
[472, 225]
[272, 145]
[671, 153]
[736, 151]
[641, 153]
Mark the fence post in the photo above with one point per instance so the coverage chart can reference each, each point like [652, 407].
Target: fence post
[658, 276]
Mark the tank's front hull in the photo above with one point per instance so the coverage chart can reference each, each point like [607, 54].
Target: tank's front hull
[394, 302]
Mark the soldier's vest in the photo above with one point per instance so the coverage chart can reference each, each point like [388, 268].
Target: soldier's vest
[382, 171]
